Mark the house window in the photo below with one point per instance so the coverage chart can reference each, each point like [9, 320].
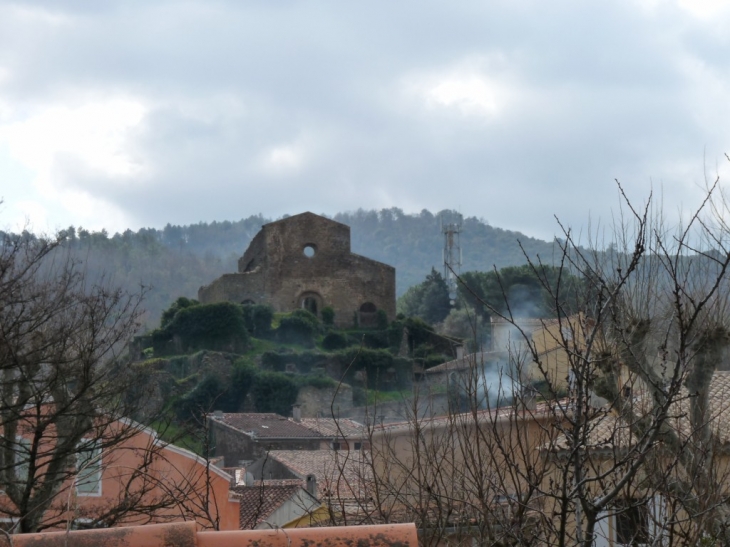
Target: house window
[335, 446]
[82, 524]
[20, 465]
[358, 446]
[88, 465]
[22, 460]
[8, 525]
[632, 523]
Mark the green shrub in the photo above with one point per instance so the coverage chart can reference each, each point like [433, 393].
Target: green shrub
[243, 378]
[334, 340]
[176, 306]
[218, 326]
[200, 400]
[274, 392]
[270, 360]
[320, 381]
[258, 318]
[435, 359]
[328, 316]
[382, 319]
[296, 329]
[395, 335]
[376, 339]
[307, 316]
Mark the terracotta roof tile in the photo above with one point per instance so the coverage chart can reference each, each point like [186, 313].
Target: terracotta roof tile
[340, 474]
[329, 427]
[259, 501]
[542, 410]
[267, 426]
[609, 431]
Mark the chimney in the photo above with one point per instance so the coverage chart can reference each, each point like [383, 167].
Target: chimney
[460, 351]
[218, 414]
[249, 480]
[312, 485]
[297, 413]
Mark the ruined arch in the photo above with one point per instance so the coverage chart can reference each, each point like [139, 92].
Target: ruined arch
[311, 301]
[368, 315]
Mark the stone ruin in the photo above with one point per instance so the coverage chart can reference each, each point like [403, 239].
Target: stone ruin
[304, 261]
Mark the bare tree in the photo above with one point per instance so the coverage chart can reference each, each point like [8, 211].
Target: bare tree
[66, 389]
[619, 426]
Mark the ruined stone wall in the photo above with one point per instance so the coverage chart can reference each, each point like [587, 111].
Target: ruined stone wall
[305, 261]
[255, 255]
[236, 287]
[316, 402]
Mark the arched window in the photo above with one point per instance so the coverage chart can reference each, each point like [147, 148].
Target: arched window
[310, 304]
[368, 315]
[311, 301]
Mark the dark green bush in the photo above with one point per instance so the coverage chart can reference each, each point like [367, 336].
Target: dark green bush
[257, 318]
[434, 359]
[200, 400]
[307, 316]
[395, 335]
[243, 378]
[176, 306]
[270, 360]
[218, 326]
[274, 392]
[296, 329]
[320, 381]
[382, 319]
[334, 340]
[328, 316]
[376, 339]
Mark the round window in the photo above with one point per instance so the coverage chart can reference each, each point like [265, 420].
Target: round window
[309, 251]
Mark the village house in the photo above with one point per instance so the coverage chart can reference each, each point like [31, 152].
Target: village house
[342, 480]
[161, 481]
[279, 504]
[242, 438]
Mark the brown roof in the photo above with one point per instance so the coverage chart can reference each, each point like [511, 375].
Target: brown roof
[271, 426]
[541, 411]
[466, 362]
[340, 474]
[330, 427]
[258, 502]
[608, 430]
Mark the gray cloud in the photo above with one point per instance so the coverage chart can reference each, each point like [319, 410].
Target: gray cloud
[329, 106]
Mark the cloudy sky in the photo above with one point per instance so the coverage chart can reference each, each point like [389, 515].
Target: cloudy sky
[140, 113]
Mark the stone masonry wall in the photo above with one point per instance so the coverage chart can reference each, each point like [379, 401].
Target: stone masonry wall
[275, 270]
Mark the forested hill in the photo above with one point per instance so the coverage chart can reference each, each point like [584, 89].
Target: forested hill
[414, 243]
[177, 260]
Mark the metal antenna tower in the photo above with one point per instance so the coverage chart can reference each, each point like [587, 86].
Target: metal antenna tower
[452, 255]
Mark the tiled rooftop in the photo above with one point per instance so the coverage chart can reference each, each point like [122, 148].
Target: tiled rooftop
[267, 425]
[542, 410]
[259, 501]
[466, 362]
[609, 431]
[340, 474]
[329, 427]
